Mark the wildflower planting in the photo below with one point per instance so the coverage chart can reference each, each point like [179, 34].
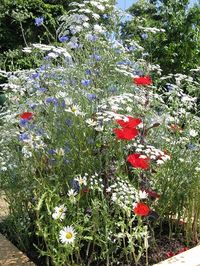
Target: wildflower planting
[98, 162]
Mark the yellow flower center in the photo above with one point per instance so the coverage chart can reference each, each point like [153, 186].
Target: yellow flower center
[68, 235]
[74, 109]
[60, 210]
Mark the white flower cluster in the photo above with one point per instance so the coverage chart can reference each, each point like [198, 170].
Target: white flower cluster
[153, 153]
[123, 193]
[151, 29]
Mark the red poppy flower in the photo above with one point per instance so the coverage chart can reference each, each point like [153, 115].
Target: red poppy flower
[170, 254]
[143, 81]
[126, 133]
[136, 161]
[182, 250]
[141, 209]
[26, 115]
[132, 122]
[152, 193]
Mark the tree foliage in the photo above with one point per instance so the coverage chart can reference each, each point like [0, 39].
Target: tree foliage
[177, 49]
[18, 29]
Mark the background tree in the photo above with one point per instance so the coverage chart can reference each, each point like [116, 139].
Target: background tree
[18, 29]
[176, 50]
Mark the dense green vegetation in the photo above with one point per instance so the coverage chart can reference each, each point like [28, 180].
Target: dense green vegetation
[18, 29]
[177, 49]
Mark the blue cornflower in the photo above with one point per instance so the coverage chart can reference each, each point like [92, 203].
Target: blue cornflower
[118, 51]
[67, 149]
[69, 122]
[193, 147]
[96, 57]
[144, 36]
[63, 104]
[33, 106]
[51, 151]
[138, 72]
[35, 75]
[75, 185]
[91, 96]
[85, 82]
[92, 37]
[73, 45]
[23, 122]
[169, 87]
[131, 48]
[88, 72]
[105, 16]
[113, 89]
[42, 90]
[39, 21]
[40, 131]
[23, 136]
[63, 38]
[52, 100]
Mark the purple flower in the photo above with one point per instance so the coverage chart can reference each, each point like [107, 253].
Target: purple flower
[92, 38]
[75, 185]
[23, 137]
[63, 38]
[39, 21]
[33, 106]
[139, 72]
[193, 147]
[144, 36]
[169, 87]
[67, 149]
[131, 48]
[88, 72]
[105, 16]
[63, 104]
[68, 122]
[23, 122]
[42, 90]
[85, 82]
[51, 151]
[73, 45]
[113, 89]
[91, 96]
[96, 57]
[52, 100]
[35, 75]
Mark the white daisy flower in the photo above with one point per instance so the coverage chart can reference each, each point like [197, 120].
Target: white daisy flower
[81, 180]
[142, 194]
[193, 133]
[67, 235]
[71, 193]
[59, 212]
